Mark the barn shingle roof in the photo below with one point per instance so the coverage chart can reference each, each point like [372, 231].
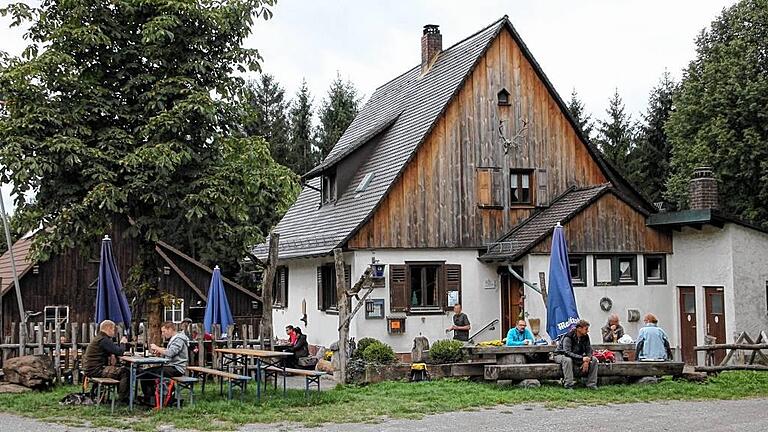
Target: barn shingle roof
[20, 255]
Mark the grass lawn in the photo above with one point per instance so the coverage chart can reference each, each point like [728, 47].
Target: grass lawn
[372, 403]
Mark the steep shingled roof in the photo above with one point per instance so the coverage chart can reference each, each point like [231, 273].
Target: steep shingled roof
[394, 122]
[534, 229]
[23, 264]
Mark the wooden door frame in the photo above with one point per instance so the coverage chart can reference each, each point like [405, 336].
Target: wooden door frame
[507, 280]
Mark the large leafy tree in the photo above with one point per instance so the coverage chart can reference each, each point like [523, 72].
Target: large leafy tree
[130, 109]
[267, 119]
[652, 152]
[304, 154]
[579, 113]
[338, 110]
[721, 112]
[615, 135]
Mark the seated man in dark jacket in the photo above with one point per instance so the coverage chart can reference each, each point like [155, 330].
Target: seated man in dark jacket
[96, 360]
[574, 353]
[299, 349]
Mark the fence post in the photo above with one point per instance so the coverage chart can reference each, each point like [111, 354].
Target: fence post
[75, 357]
[57, 352]
[40, 347]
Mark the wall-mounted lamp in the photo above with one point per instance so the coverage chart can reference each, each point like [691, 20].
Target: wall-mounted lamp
[36, 269]
[166, 270]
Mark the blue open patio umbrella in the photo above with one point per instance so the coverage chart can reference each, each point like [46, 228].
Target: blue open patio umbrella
[561, 303]
[217, 310]
[111, 303]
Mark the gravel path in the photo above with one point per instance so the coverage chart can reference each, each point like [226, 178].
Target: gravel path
[658, 416]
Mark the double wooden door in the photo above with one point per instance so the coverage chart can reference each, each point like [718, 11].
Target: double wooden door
[714, 302]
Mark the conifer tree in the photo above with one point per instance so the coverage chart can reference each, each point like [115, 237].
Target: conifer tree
[304, 153]
[583, 120]
[615, 136]
[338, 110]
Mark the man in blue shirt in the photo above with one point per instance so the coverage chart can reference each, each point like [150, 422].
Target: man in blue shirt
[519, 335]
[652, 342]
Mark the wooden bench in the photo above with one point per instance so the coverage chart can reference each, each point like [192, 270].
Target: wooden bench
[181, 383]
[553, 370]
[234, 380]
[310, 376]
[110, 385]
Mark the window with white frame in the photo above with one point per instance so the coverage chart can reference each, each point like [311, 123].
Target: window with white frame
[616, 270]
[54, 315]
[174, 310]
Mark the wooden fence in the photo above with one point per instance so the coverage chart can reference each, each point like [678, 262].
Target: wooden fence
[68, 342]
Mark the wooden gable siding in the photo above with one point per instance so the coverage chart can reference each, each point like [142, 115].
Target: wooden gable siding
[435, 201]
[610, 225]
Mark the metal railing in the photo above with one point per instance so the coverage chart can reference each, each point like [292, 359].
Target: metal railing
[490, 326]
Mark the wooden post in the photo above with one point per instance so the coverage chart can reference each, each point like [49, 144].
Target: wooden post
[265, 329]
[341, 295]
[543, 287]
[57, 351]
[40, 346]
[75, 356]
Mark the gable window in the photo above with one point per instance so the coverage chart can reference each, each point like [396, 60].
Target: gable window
[328, 188]
[424, 287]
[578, 267]
[655, 269]
[520, 186]
[174, 310]
[54, 315]
[280, 288]
[327, 298]
[616, 270]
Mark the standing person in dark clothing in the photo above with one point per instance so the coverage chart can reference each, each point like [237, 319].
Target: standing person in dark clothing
[574, 353]
[98, 355]
[299, 349]
[460, 325]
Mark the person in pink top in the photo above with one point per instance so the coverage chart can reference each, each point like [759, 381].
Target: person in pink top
[292, 336]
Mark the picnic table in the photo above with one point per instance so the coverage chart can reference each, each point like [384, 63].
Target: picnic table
[236, 357]
[524, 353]
[137, 362]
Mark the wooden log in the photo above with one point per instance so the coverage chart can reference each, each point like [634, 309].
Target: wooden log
[553, 371]
[75, 356]
[506, 359]
[266, 332]
[342, 304]
[711, 369]
[736, 346]
[503, 350]
[468, 369]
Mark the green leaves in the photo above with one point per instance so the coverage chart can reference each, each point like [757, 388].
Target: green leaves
[115, 120]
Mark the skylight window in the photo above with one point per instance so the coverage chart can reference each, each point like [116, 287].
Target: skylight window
[364, 183]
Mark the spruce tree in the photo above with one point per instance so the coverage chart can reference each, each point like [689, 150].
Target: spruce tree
[583, 120]
[652, 154]
[615, 136]
[304, 154]
[266, 100]
[338, 110]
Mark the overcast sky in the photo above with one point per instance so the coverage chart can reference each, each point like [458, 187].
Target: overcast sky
[593, 46]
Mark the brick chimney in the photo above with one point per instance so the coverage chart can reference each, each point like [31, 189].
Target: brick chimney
[431, 45]
[703, 189]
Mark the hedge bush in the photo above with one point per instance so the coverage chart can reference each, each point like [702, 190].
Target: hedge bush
[362, 344]
[379, 352]
[446, 351]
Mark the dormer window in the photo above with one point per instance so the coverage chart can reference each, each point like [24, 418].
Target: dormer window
[328, 188]
[503, 97]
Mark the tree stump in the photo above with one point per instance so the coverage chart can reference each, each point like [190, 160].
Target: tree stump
[420, 351]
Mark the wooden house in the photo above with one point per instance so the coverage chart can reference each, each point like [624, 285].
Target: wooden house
[66, 283]
[453, 173]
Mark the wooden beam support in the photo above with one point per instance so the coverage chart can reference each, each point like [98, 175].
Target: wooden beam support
[343, 304]
[268, 279]
[181, 274]
[553, 371]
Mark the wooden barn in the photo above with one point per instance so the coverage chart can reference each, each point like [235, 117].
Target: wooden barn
[67, 283]
[457, 171]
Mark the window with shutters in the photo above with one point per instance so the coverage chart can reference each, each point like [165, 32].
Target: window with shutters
[424, 287]
[521, 187]
[327, 299]
[489, 188]
[280, 288]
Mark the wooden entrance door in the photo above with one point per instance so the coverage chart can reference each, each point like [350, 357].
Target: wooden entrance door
[715, 300]
[511, 302]
[688, 324]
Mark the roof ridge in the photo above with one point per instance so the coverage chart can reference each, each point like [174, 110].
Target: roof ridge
[498, 21]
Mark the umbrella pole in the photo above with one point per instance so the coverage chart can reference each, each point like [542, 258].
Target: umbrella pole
[22, 314]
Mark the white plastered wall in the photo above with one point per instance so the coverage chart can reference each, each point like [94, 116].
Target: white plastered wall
[750, 274]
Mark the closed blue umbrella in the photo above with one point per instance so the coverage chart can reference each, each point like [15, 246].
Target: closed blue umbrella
[217, 310]
[561, 303]
[111, 303]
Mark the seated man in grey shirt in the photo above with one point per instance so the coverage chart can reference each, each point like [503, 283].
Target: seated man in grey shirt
[177, 350]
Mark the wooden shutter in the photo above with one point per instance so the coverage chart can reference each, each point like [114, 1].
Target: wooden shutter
[320, 288]
[542, 191]
[398, 288]
[284, 286]
[280, 288]
[490, 189]
[452, 282]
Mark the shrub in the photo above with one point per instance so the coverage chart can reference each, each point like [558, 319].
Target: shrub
[378, 352]
[362, 344]
[446, 351]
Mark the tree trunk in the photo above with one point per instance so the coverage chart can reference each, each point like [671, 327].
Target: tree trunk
[265, 329]
[341, 292]
[154, 320]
